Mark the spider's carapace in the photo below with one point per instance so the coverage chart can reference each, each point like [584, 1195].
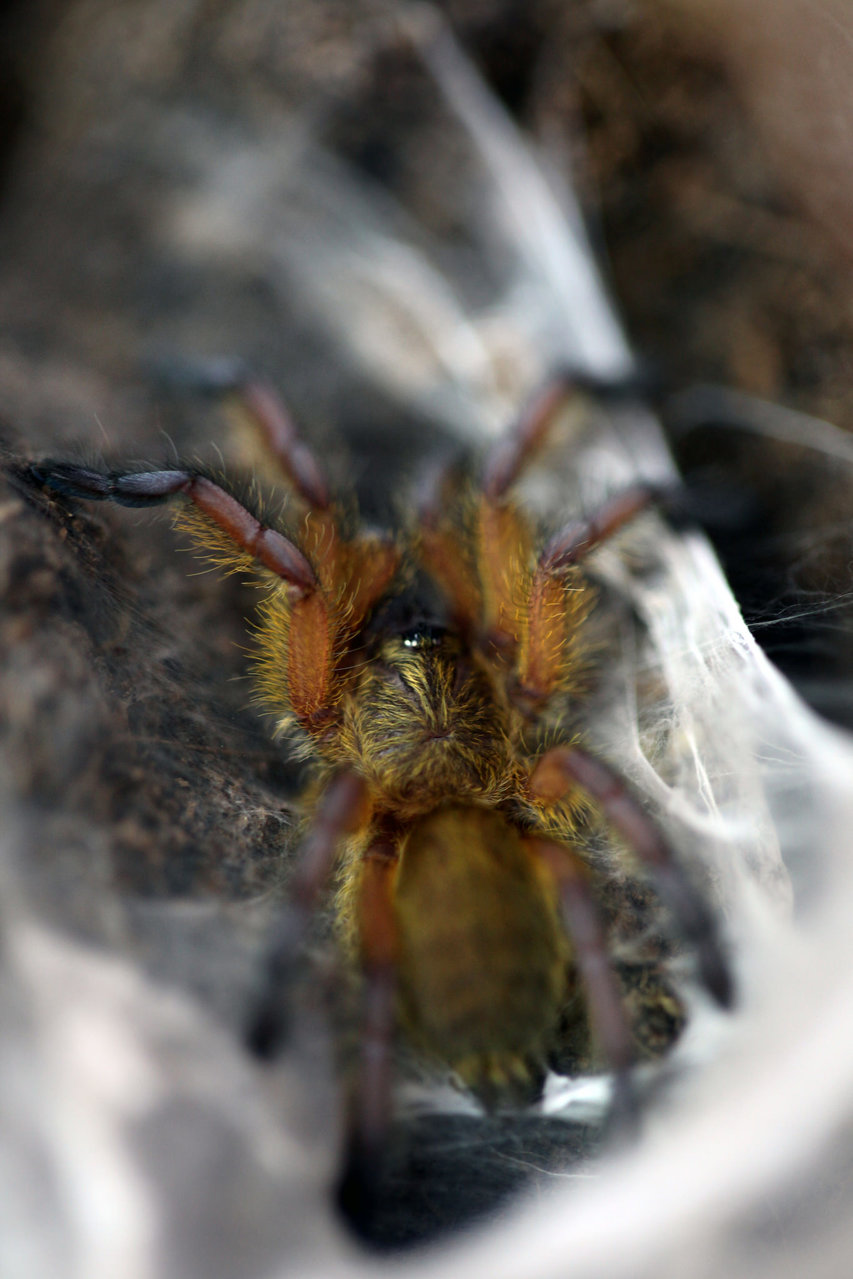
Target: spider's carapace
[426, 676]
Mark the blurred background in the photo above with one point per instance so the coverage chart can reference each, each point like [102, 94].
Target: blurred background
[144, 218]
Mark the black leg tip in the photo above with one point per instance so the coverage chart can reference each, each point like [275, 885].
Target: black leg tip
[267, 1032]
[213, 377]
[718, 981]
[358, 1193]
[641, 381]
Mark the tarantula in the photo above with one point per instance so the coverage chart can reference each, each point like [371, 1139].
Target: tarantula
[442, 788]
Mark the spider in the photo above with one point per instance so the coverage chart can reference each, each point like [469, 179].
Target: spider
[423, 674]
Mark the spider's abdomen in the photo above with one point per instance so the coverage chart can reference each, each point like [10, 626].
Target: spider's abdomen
[483, 956]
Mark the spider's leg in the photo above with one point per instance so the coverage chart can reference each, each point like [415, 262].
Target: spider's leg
[546, 625]
[517, 448]
[325, 592]
[253, 400]
[356, 571]
[564, 767]
[474, 555]
[525, 614]
[340, 811]
[370, 1101]
[575, 540]
[356, 568]
[257, 401]
[604, 1000]
[481, 563]
[522, 616]
[442, 546]
[271, 549]
[511, 454]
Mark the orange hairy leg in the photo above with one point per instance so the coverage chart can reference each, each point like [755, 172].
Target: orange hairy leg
[550, 615]
[326, 590]
[564, 767]
[479, 559]
[547, 628]
[504, 543]
[252, 400]
[521, 611]
[493, 596]
[483, 597]
[552, 606]
[530, 616]
[310, 659]
[442, 549]
[503, 537]
[514, 451]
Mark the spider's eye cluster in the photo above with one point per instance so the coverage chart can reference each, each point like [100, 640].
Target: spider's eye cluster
[424, 636]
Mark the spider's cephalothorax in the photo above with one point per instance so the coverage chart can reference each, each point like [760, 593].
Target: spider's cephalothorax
[424, 725]
[442, 788]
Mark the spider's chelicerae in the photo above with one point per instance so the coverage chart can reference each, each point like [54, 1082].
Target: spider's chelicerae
[423, 673]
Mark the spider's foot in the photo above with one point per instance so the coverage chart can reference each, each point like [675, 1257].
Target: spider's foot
[359, 1189]
[268, 1028]
[640, 381]
[268, 1025]
[214, 376]
[698, 924]
[716, 974]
